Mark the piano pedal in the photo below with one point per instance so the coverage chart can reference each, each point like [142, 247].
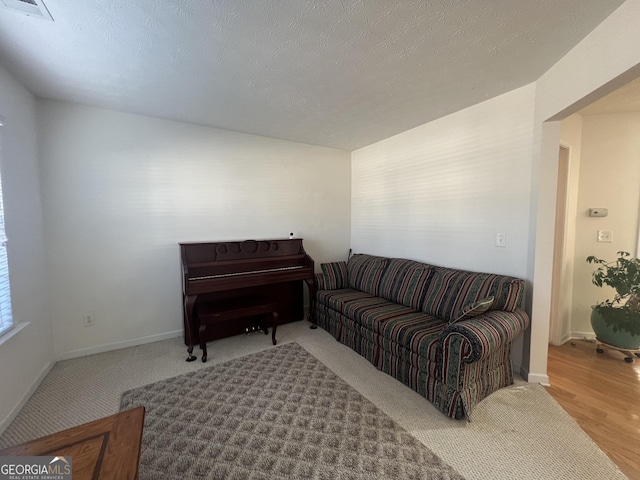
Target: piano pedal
[252, 329]
[191, 357]
[256, 329]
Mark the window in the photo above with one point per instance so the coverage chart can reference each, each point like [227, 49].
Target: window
[6, 317]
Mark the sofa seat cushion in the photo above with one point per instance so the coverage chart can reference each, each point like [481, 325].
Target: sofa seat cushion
[412, 330]
[348, 300]
[415, 332]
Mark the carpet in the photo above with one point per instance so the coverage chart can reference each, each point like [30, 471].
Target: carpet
[277, 414]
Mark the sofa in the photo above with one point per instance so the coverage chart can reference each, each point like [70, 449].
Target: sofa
[443, 332]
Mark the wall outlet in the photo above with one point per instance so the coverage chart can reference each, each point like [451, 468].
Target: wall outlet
[88, 319]
[605, 236]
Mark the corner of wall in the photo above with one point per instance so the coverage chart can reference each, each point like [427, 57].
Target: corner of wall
[13, 413]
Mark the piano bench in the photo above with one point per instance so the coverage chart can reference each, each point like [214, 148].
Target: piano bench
[215, 312]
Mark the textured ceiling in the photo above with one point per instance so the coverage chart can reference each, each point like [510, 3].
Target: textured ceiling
[342, 74]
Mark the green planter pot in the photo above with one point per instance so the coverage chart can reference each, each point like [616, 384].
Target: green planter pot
[605, 333]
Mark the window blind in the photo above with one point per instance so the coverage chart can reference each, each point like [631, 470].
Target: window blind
[6, 317]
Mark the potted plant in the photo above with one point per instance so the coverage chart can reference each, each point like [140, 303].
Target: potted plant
[617, 322]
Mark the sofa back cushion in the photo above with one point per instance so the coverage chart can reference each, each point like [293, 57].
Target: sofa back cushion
[406, 282]
[450, 291]
[365, 272]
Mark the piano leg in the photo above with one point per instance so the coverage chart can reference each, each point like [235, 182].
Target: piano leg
[274, 319]
[189, 312]
[203, 342]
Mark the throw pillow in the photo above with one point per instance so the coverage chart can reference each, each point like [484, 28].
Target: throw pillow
[474, 309]
[335, 275]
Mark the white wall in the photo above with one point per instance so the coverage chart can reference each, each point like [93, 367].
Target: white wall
[440, 192]
[120, 191]
[603, 61]
[610, 178]
[28, 355]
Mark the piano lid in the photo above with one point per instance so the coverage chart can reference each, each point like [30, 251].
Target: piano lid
[194, 253]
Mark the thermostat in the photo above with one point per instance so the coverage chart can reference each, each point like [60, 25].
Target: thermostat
[598, 212]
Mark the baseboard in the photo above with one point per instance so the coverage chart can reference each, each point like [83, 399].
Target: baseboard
[581, 336]
[541, 378]
[118, 345]
[25, 398]
[565, 338]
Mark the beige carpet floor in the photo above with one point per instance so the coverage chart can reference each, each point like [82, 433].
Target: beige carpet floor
[519, 432]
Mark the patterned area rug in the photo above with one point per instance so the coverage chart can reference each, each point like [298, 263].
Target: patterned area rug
[277, 414]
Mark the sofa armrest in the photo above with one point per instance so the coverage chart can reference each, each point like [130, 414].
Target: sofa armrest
[333, 276]
[474, 356]
[479, 337]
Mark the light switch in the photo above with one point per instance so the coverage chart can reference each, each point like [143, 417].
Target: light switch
[605, 236]
[501, 240]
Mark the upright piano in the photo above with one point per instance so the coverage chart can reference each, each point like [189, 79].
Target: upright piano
[217, 272]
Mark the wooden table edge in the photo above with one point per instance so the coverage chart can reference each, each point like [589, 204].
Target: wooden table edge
[125, 426]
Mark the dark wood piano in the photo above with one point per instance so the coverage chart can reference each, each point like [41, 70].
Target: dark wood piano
[235, 272]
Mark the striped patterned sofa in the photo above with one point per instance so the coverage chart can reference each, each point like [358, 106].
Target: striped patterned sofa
[445, 333]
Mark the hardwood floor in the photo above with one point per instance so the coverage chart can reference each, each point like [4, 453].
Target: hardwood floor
[602, 393]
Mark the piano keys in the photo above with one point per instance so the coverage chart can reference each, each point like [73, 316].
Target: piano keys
[241, 271]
